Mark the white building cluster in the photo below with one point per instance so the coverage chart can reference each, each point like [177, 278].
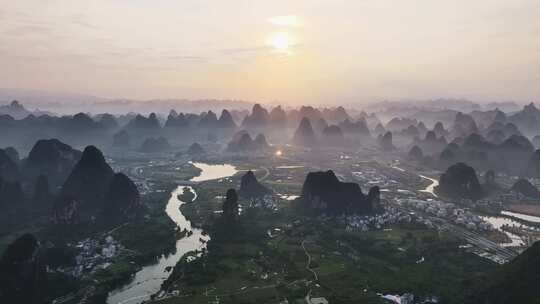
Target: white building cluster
[93, 255]
[376, 221]
[267, 202]
[449, 212]
[370, 177]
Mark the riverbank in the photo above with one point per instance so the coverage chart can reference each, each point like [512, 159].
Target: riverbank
[526, 209]
[147, 282]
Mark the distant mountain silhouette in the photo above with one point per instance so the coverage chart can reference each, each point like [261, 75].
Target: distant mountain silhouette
[536, 141]
[278, 117]
[13, 154]
[108, 121]
[358, 128]
[450, 154]
[319, 125]
[397, 124]
[509, 156]
[242, 142]
[250, 187]
[517, 142]
[16, 110]
[208, 120]
[9, 170]
[304, 134]
[533, 167]
[89, 179]
[478, 142]
[431, 144]
[464, 125]
[422, 129]
[385, 141]
[195, 149]
[440, 130]
[259, 118]
[415, 153]
[309, 112]
[226, 120]
[527, 189]
[527, 119]
[333, 137]
[121, 139]
[260, 142]
[122, 199]
[141, 124]
[42, 195]
[495, 136]
[379, 129]
[507, 129]
[322, 192]
[460, 181]
[151, 145]
[335, 115]
[52, 158]
[66, 211]
[410, 132]
[11, 198]
[175, 120]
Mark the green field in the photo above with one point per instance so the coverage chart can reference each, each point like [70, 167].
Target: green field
[245, 265]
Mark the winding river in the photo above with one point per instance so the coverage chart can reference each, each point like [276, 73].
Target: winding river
[148, 280]
[431, 187]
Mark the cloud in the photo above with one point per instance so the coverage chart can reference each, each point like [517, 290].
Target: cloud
[286, 21]
[27, 29]
[188, 58]
[246, 50]
[78, 19]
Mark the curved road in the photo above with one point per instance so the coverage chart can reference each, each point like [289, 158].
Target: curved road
[309, 261]
[265, 175]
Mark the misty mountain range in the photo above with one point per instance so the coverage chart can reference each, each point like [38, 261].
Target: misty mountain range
[68, 103]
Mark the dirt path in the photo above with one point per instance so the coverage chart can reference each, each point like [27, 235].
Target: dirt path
[309, 261]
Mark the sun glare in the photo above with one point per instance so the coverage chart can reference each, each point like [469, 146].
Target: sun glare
[281, 42]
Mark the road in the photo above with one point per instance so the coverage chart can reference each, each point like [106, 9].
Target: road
[309, 261]
[479, 241]
[472, 237]
[265, 175]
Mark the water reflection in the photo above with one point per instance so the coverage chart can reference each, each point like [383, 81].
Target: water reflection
[148, 280]
[210, 172]
[524, 217]
[498, 222]
[431, 187]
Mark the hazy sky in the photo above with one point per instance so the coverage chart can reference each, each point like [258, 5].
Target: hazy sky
[286, 50]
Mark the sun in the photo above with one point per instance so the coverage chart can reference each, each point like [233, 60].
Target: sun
[281, 42]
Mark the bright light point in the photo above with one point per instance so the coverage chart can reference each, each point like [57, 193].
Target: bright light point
[279, 153]
[281, 42]
[286, 21]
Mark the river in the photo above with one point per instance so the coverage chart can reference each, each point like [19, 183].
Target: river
[431, 187]
[497, 222]
[525, 217]
[148, 280]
